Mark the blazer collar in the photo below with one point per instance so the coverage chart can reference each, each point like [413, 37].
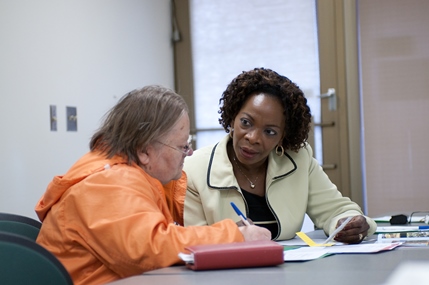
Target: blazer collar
[220, 171]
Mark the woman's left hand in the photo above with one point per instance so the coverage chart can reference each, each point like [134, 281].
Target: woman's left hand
[354, 232]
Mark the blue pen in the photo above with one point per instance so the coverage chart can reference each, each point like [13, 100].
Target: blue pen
[420, 228]
[240, 214]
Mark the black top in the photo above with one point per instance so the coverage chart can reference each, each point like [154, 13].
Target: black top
[259, 212]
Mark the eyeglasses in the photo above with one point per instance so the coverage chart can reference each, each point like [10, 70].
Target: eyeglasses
[186, 150]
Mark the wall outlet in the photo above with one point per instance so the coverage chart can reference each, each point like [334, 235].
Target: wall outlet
[71, 117]
[53, 117]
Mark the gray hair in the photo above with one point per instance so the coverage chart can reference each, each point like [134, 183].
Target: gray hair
[139, 118]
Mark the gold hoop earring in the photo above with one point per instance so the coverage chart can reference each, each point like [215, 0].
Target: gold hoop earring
[281, 152]
[231, 130]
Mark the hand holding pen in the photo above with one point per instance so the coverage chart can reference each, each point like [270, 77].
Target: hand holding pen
[354, 232]
[240, 214]
[251, 232]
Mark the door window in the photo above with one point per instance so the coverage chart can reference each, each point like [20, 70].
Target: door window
[231, 36]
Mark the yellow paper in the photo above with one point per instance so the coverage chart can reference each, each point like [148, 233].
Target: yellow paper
[309, 241]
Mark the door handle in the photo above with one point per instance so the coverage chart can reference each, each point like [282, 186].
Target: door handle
[332, 96]
[329, 166]
[324, 125]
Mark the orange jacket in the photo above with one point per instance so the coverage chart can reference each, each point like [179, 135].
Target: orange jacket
[106, 220]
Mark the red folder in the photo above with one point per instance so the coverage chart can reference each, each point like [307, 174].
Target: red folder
[236, 255]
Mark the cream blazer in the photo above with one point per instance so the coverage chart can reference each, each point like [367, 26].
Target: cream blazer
[295, 184]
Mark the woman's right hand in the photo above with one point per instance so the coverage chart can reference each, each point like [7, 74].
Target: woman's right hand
[253, 232]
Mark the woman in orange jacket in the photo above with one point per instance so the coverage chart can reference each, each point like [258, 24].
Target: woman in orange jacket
[118, 211]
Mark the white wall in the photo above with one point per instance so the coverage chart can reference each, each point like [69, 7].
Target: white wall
[78, 53]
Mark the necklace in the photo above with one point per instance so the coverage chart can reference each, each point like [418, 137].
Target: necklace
[252, 184]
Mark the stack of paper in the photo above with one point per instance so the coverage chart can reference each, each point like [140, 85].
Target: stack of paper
[407, 239]
[408, 235]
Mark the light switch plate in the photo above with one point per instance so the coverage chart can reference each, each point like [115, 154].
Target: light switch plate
[71, 117]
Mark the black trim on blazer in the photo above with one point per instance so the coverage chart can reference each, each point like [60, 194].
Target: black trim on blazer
[287, 173]
[209, 171]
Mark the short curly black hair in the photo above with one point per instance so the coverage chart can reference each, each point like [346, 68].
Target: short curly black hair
[297, 112]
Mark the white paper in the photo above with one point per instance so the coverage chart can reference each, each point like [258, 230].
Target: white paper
[310, 253]
[305, 253]
[188, 258]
